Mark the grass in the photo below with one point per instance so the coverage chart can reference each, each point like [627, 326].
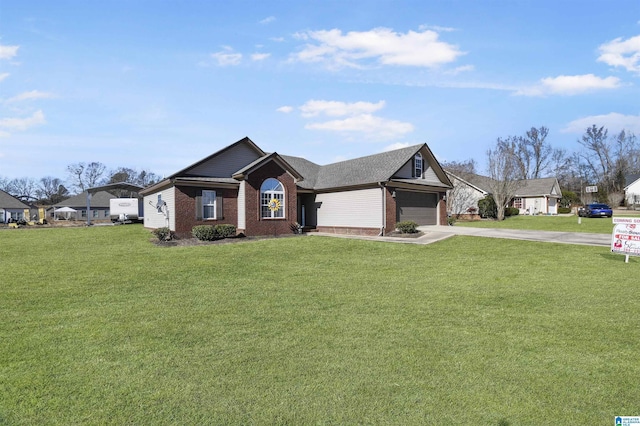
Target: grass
[595, 225]
[99, 326]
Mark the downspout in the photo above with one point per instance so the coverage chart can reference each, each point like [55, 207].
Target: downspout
[384, 208]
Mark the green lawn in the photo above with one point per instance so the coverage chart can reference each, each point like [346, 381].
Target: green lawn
[99, 326]
[596, 225]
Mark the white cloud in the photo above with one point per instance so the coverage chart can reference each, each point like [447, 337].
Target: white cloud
[4, 75]
[8, 52]
[277, 39]
[372, 127]
[286, 109]
[569, 85]
[614, 122]
[394, 146]
[313, 108]
[382, 45]
[34, 94]
[268, 20]
[622, 53]
[227, 57]
[36, 119]
[260, 56]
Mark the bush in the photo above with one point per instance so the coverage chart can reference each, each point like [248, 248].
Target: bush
[204, 232]
[163, 234]
[487, 207]
[407, 227]
[564, 210]
[212, 233]
[225, 230]
[511, 211]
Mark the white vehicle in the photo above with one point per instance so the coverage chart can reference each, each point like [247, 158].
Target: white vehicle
[125, 210]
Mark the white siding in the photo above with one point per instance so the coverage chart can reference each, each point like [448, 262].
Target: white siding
[359, 209]
[632, 193]
[153, 219]
[242, 207]
[226, 163]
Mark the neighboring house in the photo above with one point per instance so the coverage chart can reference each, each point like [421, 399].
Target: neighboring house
[632, 190]
[534, 196]
[12, 209]
[267, 193]
[99, 206]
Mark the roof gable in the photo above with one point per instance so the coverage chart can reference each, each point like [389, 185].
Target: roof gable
[8, 201]
[224, 163]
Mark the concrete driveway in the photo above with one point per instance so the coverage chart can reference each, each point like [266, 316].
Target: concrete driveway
[545, 236]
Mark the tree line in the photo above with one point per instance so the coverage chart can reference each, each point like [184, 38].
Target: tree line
[603, 160]
[80, 176]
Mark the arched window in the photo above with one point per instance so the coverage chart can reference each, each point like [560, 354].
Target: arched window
[272, 199]
[417, 161]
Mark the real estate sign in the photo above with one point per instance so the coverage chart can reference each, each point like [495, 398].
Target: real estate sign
[626, 236]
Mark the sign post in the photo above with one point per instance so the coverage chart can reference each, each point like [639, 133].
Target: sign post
[626, 237]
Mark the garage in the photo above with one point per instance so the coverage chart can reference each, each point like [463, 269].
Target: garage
[419, 207]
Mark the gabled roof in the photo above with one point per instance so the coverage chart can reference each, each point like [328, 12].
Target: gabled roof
[526, 188]
[99, 199]
[361, 171]
[8, 201]
[535, 187]
[630, 180]
[274, 156]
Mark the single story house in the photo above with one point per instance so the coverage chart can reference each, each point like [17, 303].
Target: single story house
[533, 196]
[264, 193]
[100, 206]
[12, 209]
[632, 190]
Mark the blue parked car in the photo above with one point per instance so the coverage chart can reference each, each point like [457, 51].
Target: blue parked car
[596, 210]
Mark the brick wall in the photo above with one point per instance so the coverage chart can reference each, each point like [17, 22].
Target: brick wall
[186, 208]
[255, 224]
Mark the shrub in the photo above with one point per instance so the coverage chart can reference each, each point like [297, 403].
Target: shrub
[451, 220]
[225, 230]
[511, 211]
[564, 210]
[487, 207]
[163, 234]
[204, 232]
[212, 233]
[407, 227]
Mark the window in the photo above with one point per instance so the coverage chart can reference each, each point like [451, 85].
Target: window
[517, 203]
[417, 161]
[208, 204]
[272, 199]
[95, 213]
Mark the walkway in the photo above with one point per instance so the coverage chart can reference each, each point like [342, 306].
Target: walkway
[435, 233]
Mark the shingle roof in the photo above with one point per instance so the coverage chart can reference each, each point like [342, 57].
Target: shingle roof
[527, 188]
[629, 179]
[8, 201]
[359, 171]
[99, 199]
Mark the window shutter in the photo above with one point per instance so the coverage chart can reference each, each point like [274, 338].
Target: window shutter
[219, 207]
[413, 166]
[199, 206]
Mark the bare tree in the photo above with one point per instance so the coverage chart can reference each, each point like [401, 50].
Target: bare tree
[51, 190]
[460, 198]
[83, 176]
[24, 188]
[504, 173]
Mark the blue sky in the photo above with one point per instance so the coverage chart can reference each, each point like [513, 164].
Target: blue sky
[158, 85]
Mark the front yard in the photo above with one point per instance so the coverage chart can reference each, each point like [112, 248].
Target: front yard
[100, 326]
[596, 225]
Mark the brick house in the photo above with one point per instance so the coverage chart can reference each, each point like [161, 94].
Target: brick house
[267, 193]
